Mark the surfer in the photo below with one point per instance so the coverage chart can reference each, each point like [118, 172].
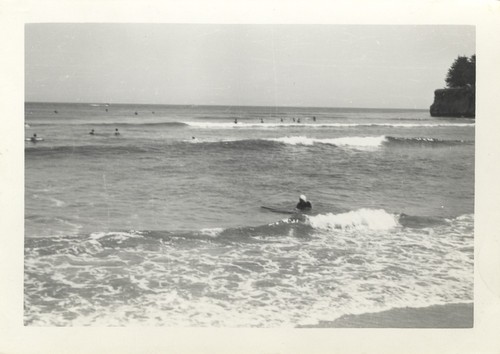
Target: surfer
[303, 204]
[92, 132]
[281, 120]
[235, 121]
[262, 120]
[314, 119]
[298, 120]
[117, 132]
[34, 138]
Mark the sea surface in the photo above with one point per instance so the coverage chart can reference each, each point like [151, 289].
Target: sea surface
[162, 225]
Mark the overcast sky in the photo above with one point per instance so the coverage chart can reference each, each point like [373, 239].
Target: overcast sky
[283, 65]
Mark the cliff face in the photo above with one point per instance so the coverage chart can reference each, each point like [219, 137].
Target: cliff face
[454, 102]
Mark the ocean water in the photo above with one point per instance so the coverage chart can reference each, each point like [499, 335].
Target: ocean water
[163, 225]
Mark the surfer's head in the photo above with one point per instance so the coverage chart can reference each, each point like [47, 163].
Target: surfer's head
[303, 197]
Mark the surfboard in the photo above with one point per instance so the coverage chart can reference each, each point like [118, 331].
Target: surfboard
[279, 211]
[37, 139]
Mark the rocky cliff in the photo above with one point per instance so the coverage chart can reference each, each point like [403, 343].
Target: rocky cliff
[454, 102]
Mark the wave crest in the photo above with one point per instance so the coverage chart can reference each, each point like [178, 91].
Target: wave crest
[373, 219]
[424, 141]
[274, 125]
[366, 141]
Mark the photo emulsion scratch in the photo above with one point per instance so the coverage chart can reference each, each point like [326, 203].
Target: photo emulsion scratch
[276, 176]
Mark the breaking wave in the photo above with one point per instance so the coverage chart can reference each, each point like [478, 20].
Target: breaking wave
[297, 225]
[355, 220]
[345, 141]
[369, 141]
[273, 125]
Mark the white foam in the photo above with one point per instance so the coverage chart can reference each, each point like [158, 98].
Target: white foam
[118, 236]
[466, 217]
[297, 140]
[91, 246]
[231, 125]
[211, 232]
[412, 125]
[374, 141]
[366, 141]
[373, 219]
[216, 125]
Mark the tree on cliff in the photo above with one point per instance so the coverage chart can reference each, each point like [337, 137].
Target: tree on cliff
[462, 72]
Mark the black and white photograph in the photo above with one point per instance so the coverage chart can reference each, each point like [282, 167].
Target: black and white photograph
[249, 175]
[290, 179]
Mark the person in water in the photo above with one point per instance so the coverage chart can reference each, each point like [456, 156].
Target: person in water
[92, 132]
[235, 121]
[117, 132]
[303, 204]
[34, 138]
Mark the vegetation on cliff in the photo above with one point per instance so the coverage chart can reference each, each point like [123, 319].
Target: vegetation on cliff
[462, 72]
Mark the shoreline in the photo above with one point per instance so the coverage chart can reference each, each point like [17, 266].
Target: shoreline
[459, 315]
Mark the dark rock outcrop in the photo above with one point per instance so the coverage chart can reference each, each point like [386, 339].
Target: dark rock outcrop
[454, 102]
